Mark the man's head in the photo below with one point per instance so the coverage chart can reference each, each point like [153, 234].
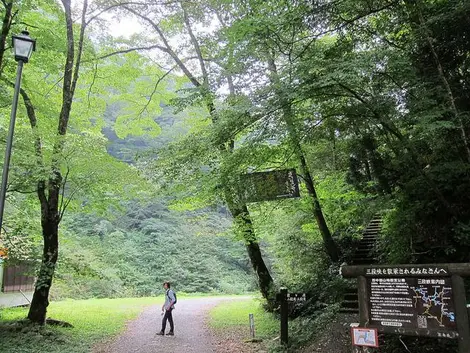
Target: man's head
[166, 285]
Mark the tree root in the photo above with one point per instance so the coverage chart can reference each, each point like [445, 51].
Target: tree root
[54, 322]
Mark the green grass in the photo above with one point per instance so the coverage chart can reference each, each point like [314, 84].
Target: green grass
[97, 320]
[234, 315]
[93, 320]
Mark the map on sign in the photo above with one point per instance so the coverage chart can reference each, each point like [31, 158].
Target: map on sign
[412, 303]
[364, 337]
[433, 301]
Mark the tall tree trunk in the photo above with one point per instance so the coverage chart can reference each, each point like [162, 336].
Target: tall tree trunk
[288, 115]
[330, 245]
[265, 281]
[50, 233]
[49, 191]
[6, 25]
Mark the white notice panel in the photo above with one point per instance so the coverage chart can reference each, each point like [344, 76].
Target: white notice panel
[366, 337]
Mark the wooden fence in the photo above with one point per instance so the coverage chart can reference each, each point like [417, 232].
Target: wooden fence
[18, 278]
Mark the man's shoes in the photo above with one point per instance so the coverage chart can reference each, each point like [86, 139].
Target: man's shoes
[170, 333]
[161, 333]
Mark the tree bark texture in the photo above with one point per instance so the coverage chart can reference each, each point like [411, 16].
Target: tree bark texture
[6, 25]
[49, 191]
[245, 225]
[40, 302]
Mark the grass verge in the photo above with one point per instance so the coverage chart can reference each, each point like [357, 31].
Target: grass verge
[233, 316]
[93, 321]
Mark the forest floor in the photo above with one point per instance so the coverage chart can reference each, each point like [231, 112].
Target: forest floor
[192, 333]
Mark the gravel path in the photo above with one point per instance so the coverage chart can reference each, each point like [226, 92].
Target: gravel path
[190, 332]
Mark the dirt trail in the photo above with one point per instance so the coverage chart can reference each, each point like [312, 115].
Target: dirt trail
[191, 335]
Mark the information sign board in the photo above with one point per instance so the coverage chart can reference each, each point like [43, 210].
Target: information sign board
[412, 303]
[269, 186]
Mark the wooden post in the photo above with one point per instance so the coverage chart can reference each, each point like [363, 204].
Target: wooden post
[252, 325]
[363, 304]
[284, 317]
[461, 313]
[363, 307]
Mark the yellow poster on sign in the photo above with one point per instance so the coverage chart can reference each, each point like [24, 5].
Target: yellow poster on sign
[3, 252]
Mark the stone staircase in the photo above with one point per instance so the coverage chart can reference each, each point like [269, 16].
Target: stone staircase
[364, 255]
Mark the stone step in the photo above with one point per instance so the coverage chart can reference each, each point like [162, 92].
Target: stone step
[350, 304]
[349, 311]
[364, 255]
[371, 232]
[367, 242]
[351, 296]
[364, 261]
[366, 247]
[370, 237]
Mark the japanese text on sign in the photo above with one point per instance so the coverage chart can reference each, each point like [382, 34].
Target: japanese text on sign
[407, 271]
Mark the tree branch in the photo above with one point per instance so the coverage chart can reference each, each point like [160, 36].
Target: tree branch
[170, 51]
[95, 72]
[196, 46]
[125, 51]
[160, 79]
[62, 210]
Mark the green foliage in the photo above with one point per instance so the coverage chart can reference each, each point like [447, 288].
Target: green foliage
[149, 244]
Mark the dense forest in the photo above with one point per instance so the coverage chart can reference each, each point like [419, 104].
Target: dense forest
[131, 143]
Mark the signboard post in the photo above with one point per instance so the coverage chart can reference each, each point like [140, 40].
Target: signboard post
[284, 317]
[419, 300]
[285, 299]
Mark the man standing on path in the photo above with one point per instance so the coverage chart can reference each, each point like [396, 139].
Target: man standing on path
[167, 308]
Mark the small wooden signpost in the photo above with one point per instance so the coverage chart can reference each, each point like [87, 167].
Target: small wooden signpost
[418, 300]
[252, 325]
[285, 298]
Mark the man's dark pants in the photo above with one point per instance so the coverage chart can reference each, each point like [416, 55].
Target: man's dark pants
[168, 316]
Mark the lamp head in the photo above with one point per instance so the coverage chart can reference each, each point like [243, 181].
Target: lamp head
[23, 46]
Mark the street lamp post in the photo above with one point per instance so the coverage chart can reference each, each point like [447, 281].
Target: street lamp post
[23, 46]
